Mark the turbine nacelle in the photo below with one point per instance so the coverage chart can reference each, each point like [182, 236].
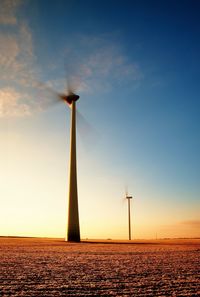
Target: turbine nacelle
[129, 197]
[69, 98]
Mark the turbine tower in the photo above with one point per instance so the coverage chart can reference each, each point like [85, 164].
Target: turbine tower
[129, 215]
[73, 232]
[70, 98]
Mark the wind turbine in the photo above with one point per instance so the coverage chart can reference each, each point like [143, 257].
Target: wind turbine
[129, 214]
[50, 97]
[73, 231]
[70, 98]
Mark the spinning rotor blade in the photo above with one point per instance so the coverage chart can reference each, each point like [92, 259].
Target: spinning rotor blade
[126, 191]
[47, 96]
[72, 81]
[123, 199]
[89, 136]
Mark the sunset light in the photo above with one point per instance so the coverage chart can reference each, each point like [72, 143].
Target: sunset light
[135, 96]
[99, 148]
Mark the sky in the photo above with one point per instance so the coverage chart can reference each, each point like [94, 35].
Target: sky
[136, 67]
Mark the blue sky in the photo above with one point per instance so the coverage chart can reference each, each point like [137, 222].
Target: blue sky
[137, 66]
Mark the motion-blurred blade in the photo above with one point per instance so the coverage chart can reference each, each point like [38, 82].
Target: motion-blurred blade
[89, 136]
[126, 190]
[123, 198]
[47, 96]
[72, 81]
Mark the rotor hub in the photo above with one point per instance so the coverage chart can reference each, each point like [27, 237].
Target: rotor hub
[70, 98]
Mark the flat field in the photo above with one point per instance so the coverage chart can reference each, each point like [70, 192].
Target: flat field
[52, 267]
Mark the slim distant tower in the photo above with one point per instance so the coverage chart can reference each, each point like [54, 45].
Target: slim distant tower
[129, 215]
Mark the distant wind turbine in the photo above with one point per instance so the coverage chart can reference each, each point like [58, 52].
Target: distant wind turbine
[129, 214]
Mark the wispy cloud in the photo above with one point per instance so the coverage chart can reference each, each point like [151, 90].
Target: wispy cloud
[17, 61]
[17, 50]
[96, 64]
[101, 64]
[11, 103]
[16, 56]
[8, 11]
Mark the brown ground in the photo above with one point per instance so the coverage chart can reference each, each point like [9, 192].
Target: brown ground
[52, 267]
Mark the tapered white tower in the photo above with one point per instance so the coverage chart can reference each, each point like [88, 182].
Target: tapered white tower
[73, 232]
[73, 229]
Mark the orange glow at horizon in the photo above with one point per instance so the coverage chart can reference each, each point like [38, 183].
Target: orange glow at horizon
[34, 198]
